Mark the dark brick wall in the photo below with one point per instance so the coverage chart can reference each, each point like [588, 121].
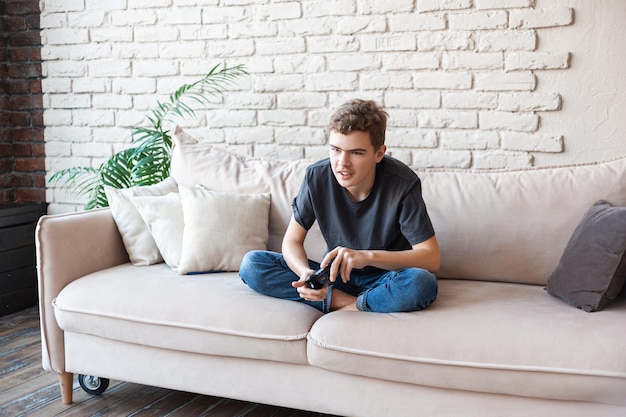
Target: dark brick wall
[22, 154]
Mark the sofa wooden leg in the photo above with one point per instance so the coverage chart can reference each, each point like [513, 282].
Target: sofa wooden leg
[66, 380]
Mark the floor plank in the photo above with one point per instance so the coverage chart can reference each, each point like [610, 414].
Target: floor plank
[26, 390]
[200, 405]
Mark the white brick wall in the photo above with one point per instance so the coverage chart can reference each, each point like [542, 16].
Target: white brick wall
[461, 79]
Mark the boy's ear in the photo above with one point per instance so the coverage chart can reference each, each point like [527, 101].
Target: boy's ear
[380, 153]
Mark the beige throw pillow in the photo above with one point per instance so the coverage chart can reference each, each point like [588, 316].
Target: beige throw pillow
[220, 228]
[164, 217]
[138, 241]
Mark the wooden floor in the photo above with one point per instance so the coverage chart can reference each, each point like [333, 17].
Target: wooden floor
[27, 390]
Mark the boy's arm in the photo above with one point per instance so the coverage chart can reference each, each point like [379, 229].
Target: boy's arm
[426, 255]
[293, 249]
[298, 262]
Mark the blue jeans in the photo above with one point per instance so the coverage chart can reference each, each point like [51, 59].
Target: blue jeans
[409, 289]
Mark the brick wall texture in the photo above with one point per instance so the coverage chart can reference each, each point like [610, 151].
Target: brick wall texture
[459, 78]
[22, 154]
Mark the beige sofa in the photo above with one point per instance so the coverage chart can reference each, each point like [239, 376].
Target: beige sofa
[494, 343]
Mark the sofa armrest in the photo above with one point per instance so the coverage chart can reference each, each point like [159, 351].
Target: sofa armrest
[70, 246]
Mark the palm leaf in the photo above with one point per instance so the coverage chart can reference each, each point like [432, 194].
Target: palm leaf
[116, 172]
[97, 198]
[151, 166]
[78, 180]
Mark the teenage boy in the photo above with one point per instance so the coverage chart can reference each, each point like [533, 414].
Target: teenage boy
[369, 208]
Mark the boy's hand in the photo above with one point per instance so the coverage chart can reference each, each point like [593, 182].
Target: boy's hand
[344, 261]
[307, 293]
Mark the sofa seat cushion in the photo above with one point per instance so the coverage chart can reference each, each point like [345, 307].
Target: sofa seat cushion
[484, 336]
[209, 313]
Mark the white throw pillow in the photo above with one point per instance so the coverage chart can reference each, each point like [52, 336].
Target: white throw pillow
[164, 217]
[220, 228]
[138, 241]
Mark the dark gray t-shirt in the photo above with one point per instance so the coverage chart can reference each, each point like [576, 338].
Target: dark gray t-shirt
[392, 217]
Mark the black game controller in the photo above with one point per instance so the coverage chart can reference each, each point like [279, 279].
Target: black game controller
[319, 278]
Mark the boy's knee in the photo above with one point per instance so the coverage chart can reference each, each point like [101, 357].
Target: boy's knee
[422, 287]
[426, 288]
[249, 264]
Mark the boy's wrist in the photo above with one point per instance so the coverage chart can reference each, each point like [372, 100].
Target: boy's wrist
[370, 255]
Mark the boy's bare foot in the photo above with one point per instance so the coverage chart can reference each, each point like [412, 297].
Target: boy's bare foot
[342, 301]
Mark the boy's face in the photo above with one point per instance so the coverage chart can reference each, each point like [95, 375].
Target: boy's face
[353, 160]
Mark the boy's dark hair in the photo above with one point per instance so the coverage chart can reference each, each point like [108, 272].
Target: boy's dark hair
[362, 115]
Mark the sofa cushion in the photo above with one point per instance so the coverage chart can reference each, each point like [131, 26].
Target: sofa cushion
[138, 241]
[213, 314]
[484, 336]
[220, 228]
[164, 217]
[592, 269]
[196, 162]
[513, 225]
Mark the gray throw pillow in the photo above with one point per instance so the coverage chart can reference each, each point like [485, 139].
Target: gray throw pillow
[592, 269]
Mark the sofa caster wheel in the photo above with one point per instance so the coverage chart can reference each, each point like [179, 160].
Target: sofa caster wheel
[93, 385]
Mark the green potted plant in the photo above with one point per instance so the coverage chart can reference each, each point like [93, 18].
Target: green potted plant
[147, 162]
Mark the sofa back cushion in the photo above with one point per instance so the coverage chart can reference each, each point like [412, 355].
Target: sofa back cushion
[502, 225]
[513, 225]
